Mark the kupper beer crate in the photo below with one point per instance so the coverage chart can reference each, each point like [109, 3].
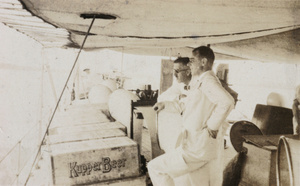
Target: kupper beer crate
[137, 181]
[85, 135]
[94, 161]
[86, 127]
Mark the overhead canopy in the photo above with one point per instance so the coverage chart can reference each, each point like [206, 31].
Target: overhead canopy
[246, 29]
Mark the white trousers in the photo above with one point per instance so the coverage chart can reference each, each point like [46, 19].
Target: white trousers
[208, 175]
[167, 167]
[206, 168]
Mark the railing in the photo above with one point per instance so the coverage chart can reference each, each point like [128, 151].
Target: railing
[16, 164]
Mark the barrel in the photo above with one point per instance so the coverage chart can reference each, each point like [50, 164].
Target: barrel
[288, 162]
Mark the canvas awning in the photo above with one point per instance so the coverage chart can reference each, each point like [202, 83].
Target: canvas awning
[260, 30]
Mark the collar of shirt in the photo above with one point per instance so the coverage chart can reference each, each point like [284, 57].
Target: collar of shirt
[197, 80]
[183, 88]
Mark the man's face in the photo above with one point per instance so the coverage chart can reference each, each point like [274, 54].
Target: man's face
[196, 65]
[199, 65]
[182, 73]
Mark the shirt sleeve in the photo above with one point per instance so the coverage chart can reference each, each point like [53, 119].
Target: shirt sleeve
[174, 106]
[170, 95]
[296, 111]
[223, 101]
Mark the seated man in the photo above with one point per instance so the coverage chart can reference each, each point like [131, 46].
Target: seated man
[183, 76]
[204, 112]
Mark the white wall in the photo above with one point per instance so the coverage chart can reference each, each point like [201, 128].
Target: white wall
[20, 92]
[142, 70]
[27, 99]
[254, 81]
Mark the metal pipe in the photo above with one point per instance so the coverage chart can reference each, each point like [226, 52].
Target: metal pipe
[282, 141]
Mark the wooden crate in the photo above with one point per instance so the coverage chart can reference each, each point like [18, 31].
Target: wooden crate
[81, 105]
[87, 127]
[79, 115]
[79, 119]
[259, 168]
[137, 181]
[85, 135]
[94, 161]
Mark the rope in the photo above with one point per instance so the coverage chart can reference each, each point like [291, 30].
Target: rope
[19, 141]
[46, 133]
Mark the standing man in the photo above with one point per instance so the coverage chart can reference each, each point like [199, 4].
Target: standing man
[204, 112]
[183, 75]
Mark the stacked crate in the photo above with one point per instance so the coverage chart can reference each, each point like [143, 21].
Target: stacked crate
[93, 161]
[65, 130]
[87, 149]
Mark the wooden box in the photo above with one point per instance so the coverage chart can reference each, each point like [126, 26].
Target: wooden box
[87, 127]
[80, 115]
[94, 161]
[85, 135]
[137, 181]
[259, 168]
[79, 119]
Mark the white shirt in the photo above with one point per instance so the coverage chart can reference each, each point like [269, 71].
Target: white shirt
[173, 93]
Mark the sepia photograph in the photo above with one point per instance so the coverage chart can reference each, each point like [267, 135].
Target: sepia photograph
[150, 93]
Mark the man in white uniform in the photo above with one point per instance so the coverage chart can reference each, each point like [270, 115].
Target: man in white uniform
[170, 123]
[204, 112]
[183, 76]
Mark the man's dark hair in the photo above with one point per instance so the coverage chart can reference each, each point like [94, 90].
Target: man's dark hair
[204, 52]
[182, 60]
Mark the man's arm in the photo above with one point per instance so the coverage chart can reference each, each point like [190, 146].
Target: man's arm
[171, 106]
[221, 98]
[296, 111]
[170, 94]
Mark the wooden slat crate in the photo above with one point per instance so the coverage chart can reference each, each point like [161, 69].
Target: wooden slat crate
[137, 181]
[94, 161]
[81, 114]
[80, 119]
[259, 168]
[87, 127]
[86, 106]
[85, 135]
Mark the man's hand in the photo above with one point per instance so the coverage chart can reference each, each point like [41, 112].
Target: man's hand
[296, 103]
[212, 133]
[181, 96]
[159, 106]
[296, 112]
[295, 107]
